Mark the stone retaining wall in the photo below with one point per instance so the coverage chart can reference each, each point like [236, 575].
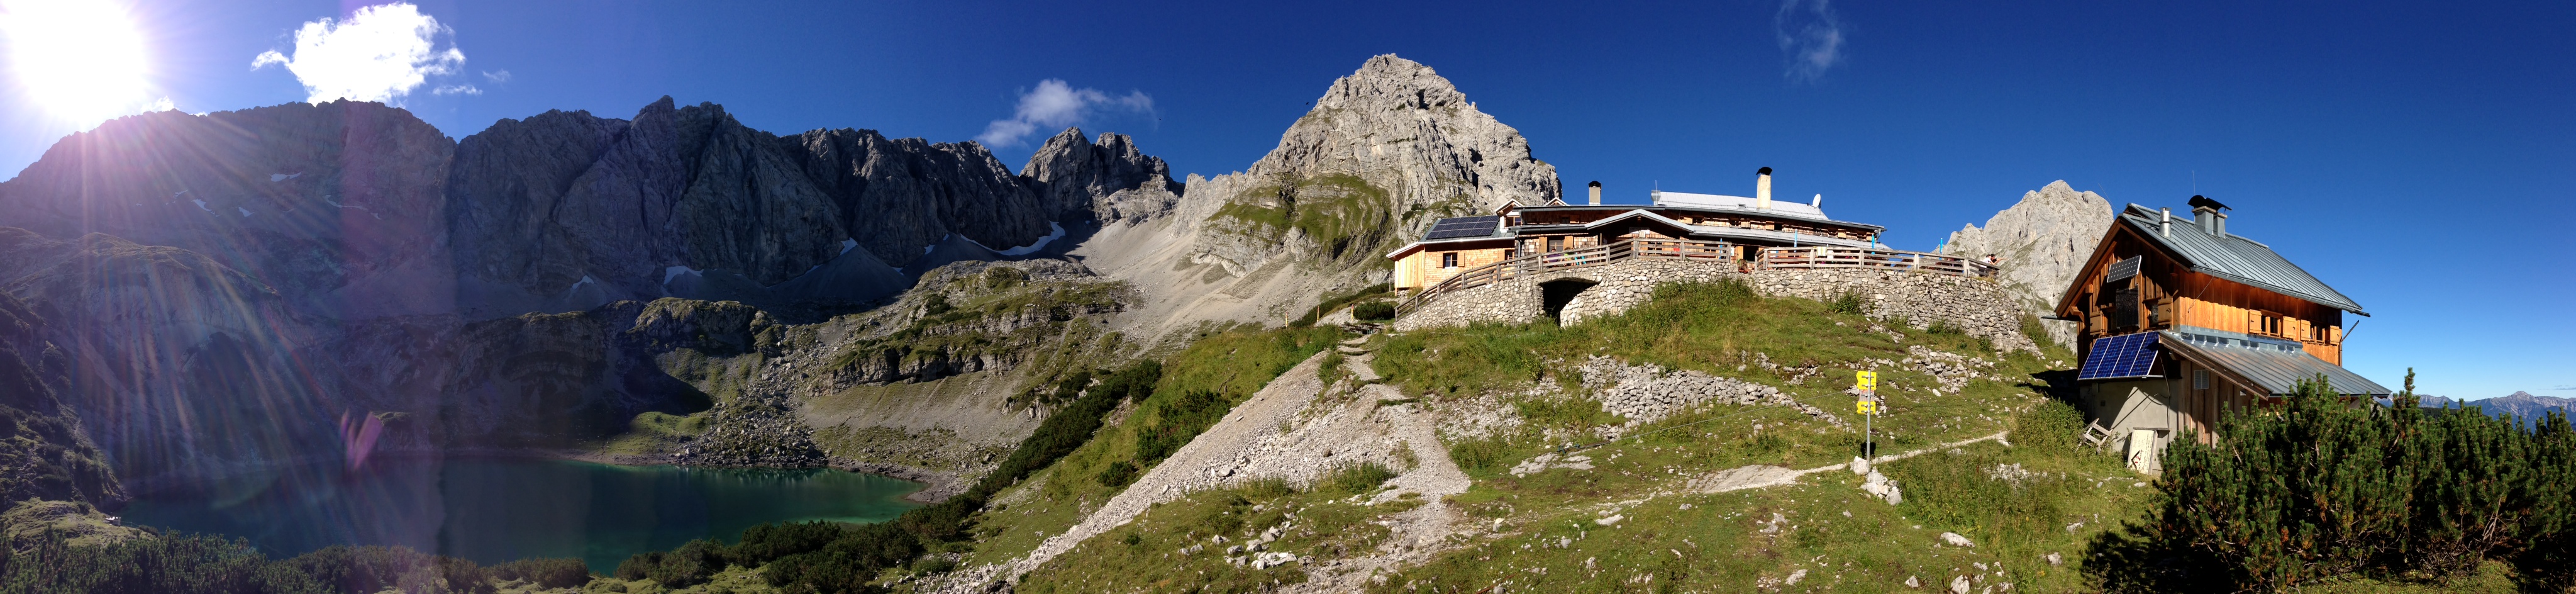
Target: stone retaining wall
[1513, 301]
[1630, 283]
[1978, 307]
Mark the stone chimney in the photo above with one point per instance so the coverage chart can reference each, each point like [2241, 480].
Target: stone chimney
[1762, 189]
[1596, 193]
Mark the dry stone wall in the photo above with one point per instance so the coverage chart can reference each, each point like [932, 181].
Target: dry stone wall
[1976, 306]
[1630, 283]
[1509, 302]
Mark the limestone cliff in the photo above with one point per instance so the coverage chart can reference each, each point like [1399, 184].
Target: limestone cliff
[2042, 242]
[1384, 151]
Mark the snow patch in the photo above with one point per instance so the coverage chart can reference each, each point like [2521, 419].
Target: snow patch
[1024, 250]
[576, 286]
[279, 177]
[847, 244]
[201, 204]
[1057, 233]
[676, 271]
[245, 212]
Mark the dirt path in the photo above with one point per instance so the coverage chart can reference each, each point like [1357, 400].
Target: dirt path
[1761, 475]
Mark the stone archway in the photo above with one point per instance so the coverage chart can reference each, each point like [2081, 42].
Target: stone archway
[1555, 294]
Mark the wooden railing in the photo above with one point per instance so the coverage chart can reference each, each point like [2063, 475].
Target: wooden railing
[1711, 251]
[1843, 257]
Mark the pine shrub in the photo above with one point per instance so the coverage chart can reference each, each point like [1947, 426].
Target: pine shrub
[2319, 487]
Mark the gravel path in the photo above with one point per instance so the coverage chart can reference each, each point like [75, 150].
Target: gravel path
[1760, 475]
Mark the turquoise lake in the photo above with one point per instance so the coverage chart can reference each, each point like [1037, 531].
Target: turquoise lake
[496, 510]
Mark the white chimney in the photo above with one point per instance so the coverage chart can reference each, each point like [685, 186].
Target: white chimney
[1596, 193]
[2165, 226]
[1762, 189]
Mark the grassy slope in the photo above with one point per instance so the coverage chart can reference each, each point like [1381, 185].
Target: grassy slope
[1844, 541]
[1234, 363]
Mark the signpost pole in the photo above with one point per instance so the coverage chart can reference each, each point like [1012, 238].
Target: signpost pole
[1866, 383]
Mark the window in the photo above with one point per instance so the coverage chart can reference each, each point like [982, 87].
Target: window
[2200, 379]
[1556, 244]
[1449, 260]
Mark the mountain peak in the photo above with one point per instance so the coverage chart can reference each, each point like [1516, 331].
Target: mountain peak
[1389, 81]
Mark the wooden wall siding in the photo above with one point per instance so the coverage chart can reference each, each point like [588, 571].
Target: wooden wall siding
[2170, 295]
[1431, 273]
[2221, 304]
[2202, 407]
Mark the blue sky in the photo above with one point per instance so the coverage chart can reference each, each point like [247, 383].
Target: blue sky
[2419, 157]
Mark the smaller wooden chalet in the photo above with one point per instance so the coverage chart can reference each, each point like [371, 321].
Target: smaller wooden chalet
[2183, 321]
[1454, 245]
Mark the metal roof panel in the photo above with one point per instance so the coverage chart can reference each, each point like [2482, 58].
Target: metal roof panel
[2275, 370]
[2236, 258]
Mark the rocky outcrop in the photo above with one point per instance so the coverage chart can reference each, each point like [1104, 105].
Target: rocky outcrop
[45, 452]
[2041, 243]
[171, 359]
[1077, 175]
[1384, 151]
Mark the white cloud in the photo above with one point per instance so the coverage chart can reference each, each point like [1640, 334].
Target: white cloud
[456, 90]
[1811, 37]
[378, 54]
[1055, 104]
[498, 77]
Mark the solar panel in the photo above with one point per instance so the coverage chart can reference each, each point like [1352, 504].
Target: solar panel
[2123, 269]
[2123, 356]
[1463, 227]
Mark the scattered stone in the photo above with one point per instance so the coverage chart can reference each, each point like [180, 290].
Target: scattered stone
[1882, 488]
[1959, 585]
[1956, 540]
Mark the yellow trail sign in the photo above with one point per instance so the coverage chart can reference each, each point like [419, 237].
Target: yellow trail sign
[1866, 380]
[1867, 407]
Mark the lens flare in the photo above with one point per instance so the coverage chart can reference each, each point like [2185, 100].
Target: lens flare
[81, 60]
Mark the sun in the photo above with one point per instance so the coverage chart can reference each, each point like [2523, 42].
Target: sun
[80, 60]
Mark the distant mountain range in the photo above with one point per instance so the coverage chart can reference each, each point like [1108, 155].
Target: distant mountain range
[2521, 405]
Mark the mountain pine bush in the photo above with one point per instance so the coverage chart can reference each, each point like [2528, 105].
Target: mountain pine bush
[2317, 487]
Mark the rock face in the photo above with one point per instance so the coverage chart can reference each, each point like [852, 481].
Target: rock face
[1385, 150]
[337, 206]
[223, 288]
[569, 211]
[47, 453]
[2042, 242]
